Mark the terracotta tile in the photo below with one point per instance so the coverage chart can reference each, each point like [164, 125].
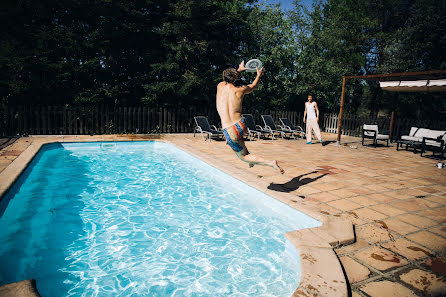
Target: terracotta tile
[380, 259]
[344, 204]
[398, 226]
[368, 214]
[440, 230]
[377, 188]
[409, 205]
[307, 190]
[428, 239]
[426, 282]
[355, 272]
[353, 218]
[437, 199]
[386, 288]
[394, 185]
[342, 193]
[430, 190]
[387, 210]
[324, 197]
[358, 245]
[417, 220]
[432, 214]
[407, 249]
[382, 198]
[363, 200]
[373, 234]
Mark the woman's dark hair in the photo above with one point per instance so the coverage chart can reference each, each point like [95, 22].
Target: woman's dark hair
[231, 75]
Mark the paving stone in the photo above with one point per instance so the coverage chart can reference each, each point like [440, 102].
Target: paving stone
[437, 199]
[380, 259]
[432, 214]
[368, 214]
[344, 204]
[342, 193]
[382, 198]
[387, 210]
[407, 249]
[417, 220]
[430, 190]
[440, 230]
[398, 226]
[427, 282]
[316, 278]
[359, 244]
[386, 288]
[373, 234]
[355, 271]
[428, 239]
[409, 206]
[363, 200]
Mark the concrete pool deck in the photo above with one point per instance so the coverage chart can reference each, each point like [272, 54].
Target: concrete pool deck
[395, 199]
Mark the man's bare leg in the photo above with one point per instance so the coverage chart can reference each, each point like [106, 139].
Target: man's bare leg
[256, 160]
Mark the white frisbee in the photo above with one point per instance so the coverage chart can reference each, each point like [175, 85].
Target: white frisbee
[252, 64]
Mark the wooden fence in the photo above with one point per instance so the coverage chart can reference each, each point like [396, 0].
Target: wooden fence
[76, 120]
[352, 124]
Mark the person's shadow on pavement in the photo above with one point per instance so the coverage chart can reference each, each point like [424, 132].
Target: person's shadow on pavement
[295, 183]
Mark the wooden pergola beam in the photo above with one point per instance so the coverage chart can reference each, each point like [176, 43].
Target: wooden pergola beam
[375, 76]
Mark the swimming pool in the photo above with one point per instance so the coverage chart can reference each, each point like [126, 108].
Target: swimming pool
[143, 219]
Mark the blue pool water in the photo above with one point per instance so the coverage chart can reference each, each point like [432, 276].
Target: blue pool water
[143, 219]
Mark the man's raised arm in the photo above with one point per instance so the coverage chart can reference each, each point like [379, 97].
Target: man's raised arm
[252, 86]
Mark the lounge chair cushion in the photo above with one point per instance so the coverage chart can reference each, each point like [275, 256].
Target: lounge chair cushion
[413, 130]
[370, 127]
[382, 136]
[411, 138]
[422, 132]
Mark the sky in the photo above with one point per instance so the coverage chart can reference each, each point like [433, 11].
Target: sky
[288, 4]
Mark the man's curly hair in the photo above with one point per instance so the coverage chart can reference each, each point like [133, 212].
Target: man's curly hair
[231, 75]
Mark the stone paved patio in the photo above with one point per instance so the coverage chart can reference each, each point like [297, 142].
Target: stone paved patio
[396, 200]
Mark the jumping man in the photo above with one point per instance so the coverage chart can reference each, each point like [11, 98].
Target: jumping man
[229, 107]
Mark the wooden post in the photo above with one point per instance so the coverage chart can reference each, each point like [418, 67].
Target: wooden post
[340, 111]
[392, 118]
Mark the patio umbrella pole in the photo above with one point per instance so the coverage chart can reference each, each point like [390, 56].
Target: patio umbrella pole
[338, 142]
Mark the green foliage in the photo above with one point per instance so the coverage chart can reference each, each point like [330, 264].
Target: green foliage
[172, 52]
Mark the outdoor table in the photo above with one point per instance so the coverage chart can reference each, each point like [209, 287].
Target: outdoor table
[414, 144]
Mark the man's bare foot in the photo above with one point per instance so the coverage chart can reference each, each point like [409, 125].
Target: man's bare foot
[251, 165]
[276, 165]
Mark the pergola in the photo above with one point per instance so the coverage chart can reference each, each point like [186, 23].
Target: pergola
[422, 81]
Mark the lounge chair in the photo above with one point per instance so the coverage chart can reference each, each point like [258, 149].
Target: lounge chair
[205, 129]
[371, 132]
[270, 126]
[287, 126]
[253, 129]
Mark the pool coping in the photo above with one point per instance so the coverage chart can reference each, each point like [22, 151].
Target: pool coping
[315, 245]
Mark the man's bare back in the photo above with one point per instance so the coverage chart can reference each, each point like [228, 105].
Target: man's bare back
[229, 106]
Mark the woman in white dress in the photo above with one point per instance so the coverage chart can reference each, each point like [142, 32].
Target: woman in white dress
[311, 118]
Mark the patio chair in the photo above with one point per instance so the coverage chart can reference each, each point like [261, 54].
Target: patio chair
[287, 126]
[371, 132]
[253, 129]
[205, 129]
[270, 126]
[435, 142]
